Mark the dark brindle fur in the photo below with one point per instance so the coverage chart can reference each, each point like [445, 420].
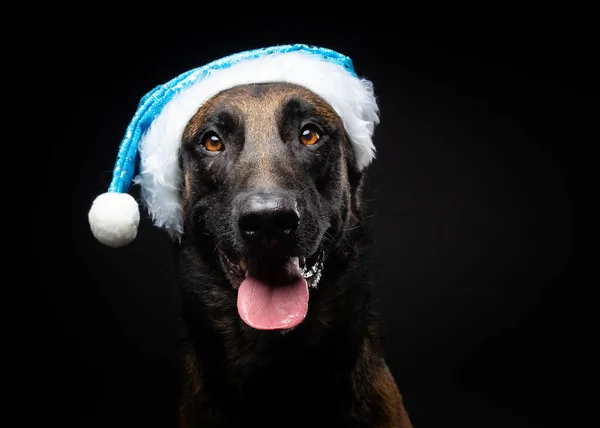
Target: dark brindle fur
[328, 371]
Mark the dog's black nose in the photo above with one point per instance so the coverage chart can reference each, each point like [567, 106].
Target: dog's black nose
[270, 215]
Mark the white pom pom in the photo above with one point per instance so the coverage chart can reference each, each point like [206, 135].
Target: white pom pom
[114, 219]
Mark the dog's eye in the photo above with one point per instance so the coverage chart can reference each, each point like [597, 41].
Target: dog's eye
[212, 142]
[309, 135]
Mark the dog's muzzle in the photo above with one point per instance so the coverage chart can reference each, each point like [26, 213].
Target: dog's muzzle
[273, 278]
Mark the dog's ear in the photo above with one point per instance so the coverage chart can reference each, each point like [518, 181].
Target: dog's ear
[185, 195]
[355, 178]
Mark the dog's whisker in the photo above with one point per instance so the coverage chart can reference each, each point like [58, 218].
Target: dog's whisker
[347, 229]
[217, 245]
[330, 238]
[326, 240]
[322, 247]
[322, 321]
[307, 189]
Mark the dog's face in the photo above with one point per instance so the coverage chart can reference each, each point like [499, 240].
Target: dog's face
[269, 182]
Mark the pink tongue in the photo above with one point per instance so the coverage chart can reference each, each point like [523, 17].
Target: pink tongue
[267, 307]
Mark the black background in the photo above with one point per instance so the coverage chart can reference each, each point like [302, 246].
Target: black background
[481, 147]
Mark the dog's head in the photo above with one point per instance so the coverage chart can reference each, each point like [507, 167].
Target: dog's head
[254, 163]
[270, 183]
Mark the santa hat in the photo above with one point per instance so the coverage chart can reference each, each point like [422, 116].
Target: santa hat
[148, 154]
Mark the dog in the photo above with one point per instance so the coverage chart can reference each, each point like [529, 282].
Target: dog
[273, 269]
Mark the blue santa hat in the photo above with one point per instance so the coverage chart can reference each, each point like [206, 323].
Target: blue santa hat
[148, 154]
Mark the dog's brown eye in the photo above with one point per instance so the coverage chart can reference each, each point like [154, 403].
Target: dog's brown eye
[309, 135]
[212, 142]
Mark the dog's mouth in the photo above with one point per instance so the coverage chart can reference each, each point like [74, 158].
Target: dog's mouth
[273, 291]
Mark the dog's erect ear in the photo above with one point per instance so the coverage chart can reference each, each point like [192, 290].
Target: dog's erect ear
[355, 178]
